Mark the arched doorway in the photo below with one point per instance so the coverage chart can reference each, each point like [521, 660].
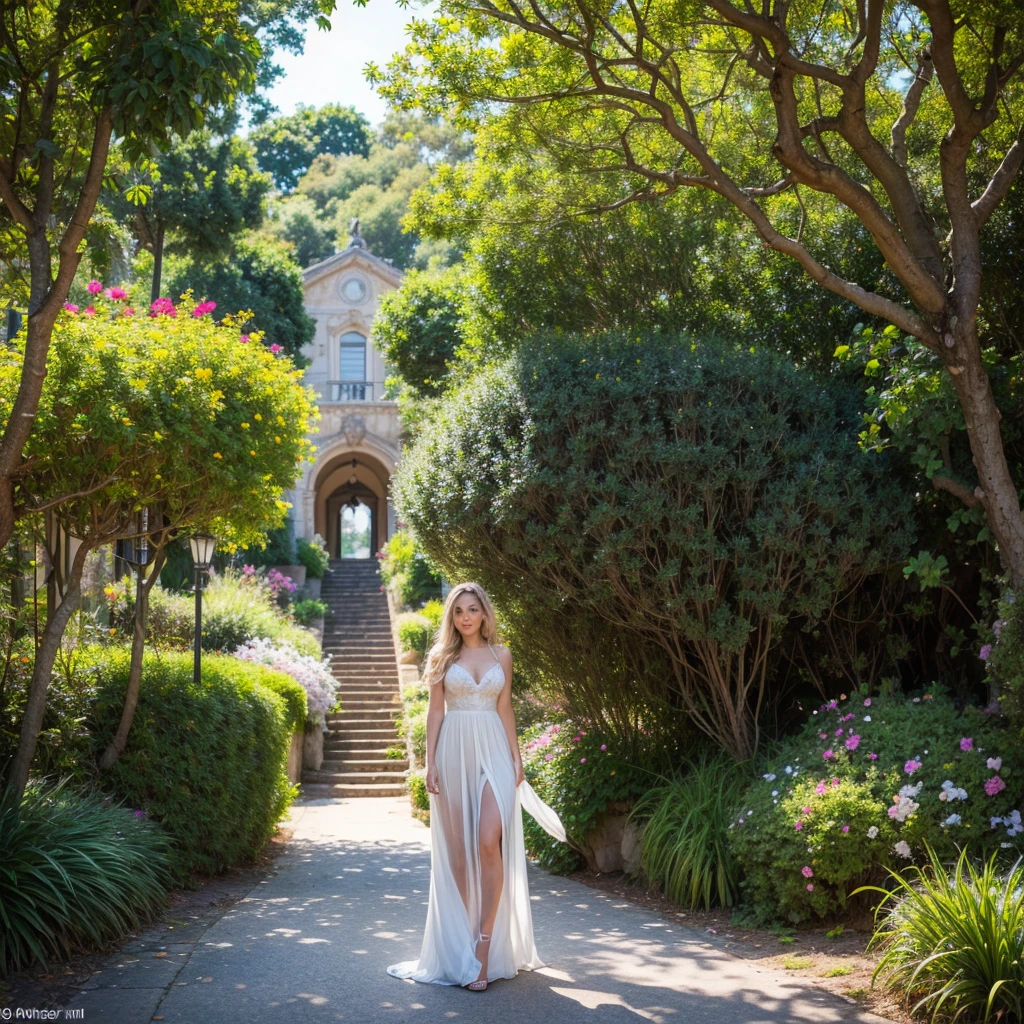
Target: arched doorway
[351, 508]
[355, 529]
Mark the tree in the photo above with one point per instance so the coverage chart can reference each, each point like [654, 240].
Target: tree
[177, 414]
[645, 101]
[257, 275]
[75, 76]
[286, 146]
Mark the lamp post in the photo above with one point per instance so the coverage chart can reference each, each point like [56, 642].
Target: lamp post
[138, 554]
[202, 545]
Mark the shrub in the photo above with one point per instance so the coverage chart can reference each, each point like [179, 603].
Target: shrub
[313, 555]
[418, 795]
[406, 571]
[412, 719]
[685, 829]
[1005, 655]
[208, 762]
[319, 686]
[955, 940]
[307, 610]
[433, 612]
[75, 871]
[415, 633]
[689, 503]
[866, 784]
[581, 773]
[237, 607]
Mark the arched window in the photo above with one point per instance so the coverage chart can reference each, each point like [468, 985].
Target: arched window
[352, 366]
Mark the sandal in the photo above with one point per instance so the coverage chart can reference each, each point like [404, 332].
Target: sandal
[481, 983]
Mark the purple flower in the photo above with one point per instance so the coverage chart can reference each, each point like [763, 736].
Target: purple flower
[839, 732]
[985, 652]
[798, 826]
[966, 743]
[911, 766]
[846, 828]
[604, 746]
[873, 757]
[994, 785]
[806, 871]
[828, 755]
[852, 742]
[547, 757]
[867, 703]
[805, 810]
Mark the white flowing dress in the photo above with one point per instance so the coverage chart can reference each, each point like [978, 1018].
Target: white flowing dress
[472, 750]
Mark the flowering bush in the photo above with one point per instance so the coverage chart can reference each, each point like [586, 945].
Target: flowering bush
[920, 771]
[315, 675]
[314, 556]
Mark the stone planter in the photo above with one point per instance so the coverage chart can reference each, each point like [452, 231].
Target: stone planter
[603, 847]
[296, 573]
[313, 587]
[295, 756]
[631, 848]
[409, 658]
[313, 747]
[317, 626]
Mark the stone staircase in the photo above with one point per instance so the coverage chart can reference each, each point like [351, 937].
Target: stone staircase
[357, 635]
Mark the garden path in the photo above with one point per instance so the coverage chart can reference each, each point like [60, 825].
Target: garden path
[310, 943]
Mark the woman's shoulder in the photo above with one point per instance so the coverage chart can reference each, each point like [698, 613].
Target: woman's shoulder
[502, 649]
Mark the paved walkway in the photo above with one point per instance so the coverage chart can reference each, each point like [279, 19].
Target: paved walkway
[311, 941]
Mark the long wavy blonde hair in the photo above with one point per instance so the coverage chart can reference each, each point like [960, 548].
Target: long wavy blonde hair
[448, 643]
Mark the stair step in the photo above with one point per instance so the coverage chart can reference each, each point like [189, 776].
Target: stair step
[315, 789]
[350, 777]
[356, 764]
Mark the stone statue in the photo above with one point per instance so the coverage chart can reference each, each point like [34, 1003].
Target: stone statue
[356, 241]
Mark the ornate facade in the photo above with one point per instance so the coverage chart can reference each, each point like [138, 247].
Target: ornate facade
[359, 437]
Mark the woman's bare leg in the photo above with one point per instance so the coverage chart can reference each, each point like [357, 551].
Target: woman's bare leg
[492, 874]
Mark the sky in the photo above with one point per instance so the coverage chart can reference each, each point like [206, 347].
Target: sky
[331, 68]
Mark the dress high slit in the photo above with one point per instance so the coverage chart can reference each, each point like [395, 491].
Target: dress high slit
[473, 750]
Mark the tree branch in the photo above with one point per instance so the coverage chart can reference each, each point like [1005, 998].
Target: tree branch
[1001, 181]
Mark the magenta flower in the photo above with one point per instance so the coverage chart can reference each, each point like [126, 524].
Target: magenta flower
[583, 760]
[911, 766]
[835, 782]
[966, 743]
[828, 755]
[867, 703]
[806, 871]
[203, 308]
[821, 789]
[164, 307]
[994, 785]
[275, 348]
[244, 339]
[94, 287]
[846, 828]
[604, 746]
[89, 311]
[548, 757]
[839, 732]
[576, 739]
[873, 757]
[805, 810]
[985, 652]
[115, 293]
[799, 826]
[810, 887]
[852, 742]
[70, 307]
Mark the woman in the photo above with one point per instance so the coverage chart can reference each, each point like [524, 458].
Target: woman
[479, 923]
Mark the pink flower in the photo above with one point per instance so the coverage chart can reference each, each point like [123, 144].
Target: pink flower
[828, 755]
[994, 785]
[799, 826]
[70, 307]
[852, 742]
[893, 811]
[821, 789]
[115, 293]
[555, 728]
[867, 703]
[839, 732]
[806, 871]
[244, 339]
[985, 652]
[128, 311]
[576, 739]
[805, 810]
[966, 743]
[275, 348]
[162, 306]
[823, 735]
[911, 766]
[994, 763]
[846, 828]
[873, 757]
[604, 746]
[810, 887]
[89, 311]
[94, 287]
[203, 308]
[583, 760]
[548, 757]
[835, 782]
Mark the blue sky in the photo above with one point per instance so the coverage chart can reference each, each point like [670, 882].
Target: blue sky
[331, 68]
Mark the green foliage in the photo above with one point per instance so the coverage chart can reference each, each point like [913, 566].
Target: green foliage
[172, 412]
[260, 277]
[684, 833]
[416, 783]
[827, 800]
[307, 610]
[583, 777]
[313, 555]
[236, 608]
[281, 547]
[407, 570]
[296, 220]
[287, 145]
[415, 633]
[74, 872]
[954, 942]
[411, 720]
[208, 762]
[418, 328]
[1005, 655]
[690, 496]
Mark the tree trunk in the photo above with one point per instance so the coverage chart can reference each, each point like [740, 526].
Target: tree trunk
[996, 490]
[131, 700]
[158, 261]
[42, 671]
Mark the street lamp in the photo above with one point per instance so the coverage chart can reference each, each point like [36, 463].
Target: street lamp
[202, 545]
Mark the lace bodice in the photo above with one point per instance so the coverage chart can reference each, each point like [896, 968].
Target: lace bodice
[461, 693]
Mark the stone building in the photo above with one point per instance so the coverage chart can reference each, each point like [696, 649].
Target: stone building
[358, 442]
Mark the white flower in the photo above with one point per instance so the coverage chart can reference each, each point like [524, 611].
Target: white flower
[910, 791]
[951, 792]
[953, 819]
[770, 776]
[867, 718]
[775, 792]
[789, 770]
[873, 832]
[902, 848]
[995, 763]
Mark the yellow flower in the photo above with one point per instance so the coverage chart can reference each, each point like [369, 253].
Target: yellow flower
[217, 455]
[257, 417]
[161, 353]
[245, 426]
[157, 436]
[277, 440]
[126, 421]
[280, 420]
[251, 452]
[204, 373]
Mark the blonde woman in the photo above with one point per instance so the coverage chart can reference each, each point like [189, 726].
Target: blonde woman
[479, 923]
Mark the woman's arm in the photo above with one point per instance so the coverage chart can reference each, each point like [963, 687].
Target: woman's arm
[435, 715]
[508, 718]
